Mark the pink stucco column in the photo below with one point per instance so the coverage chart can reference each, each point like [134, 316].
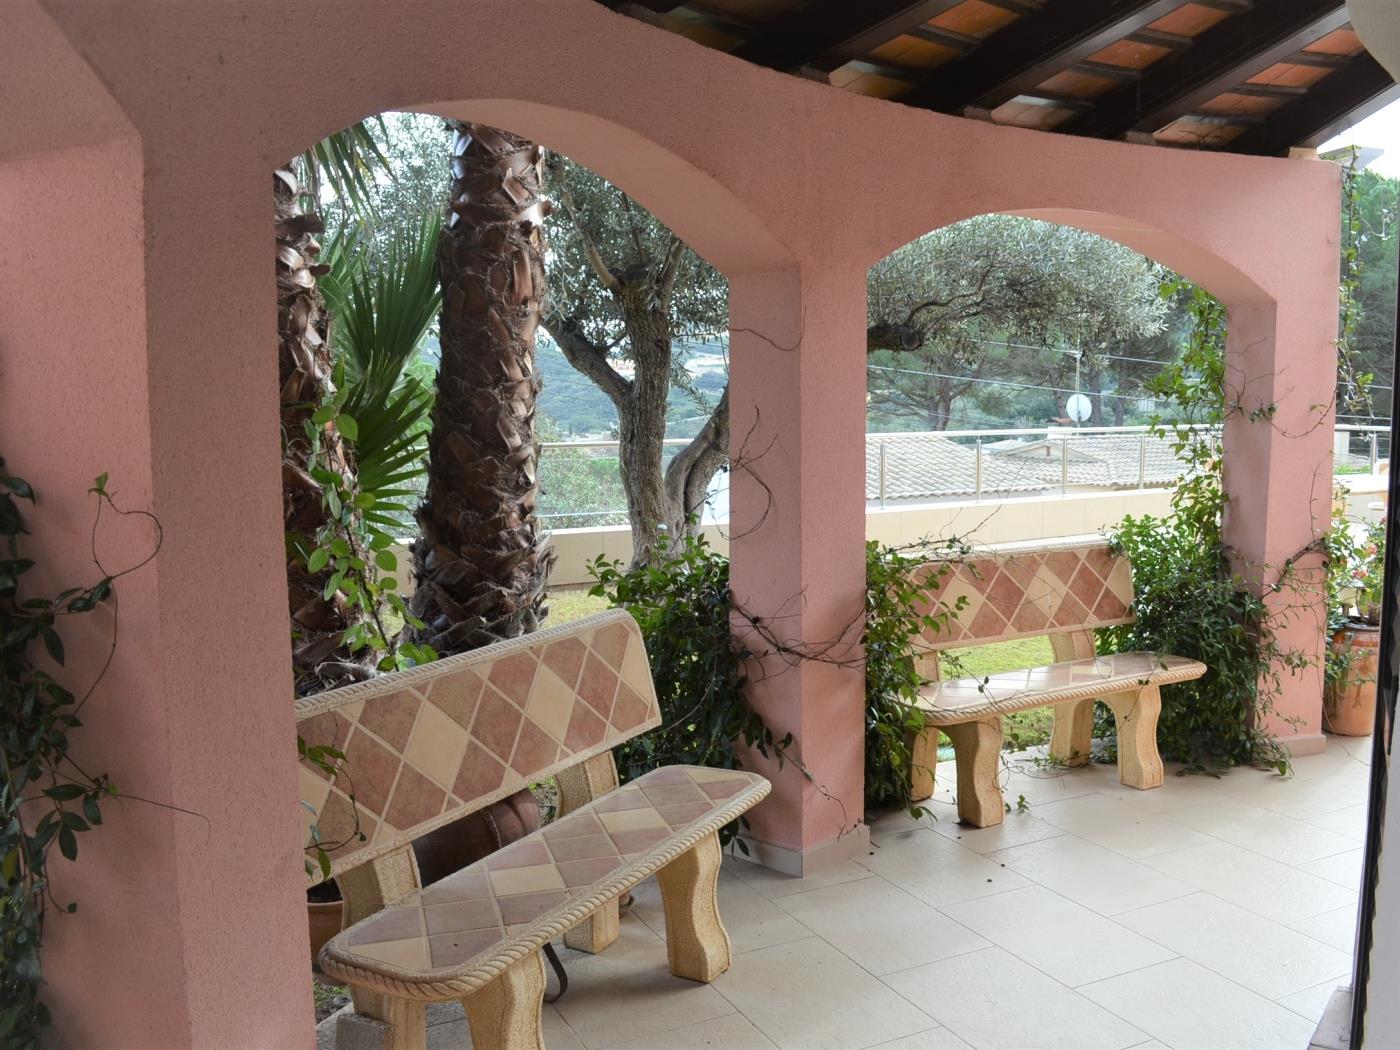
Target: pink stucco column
[1278, 470]
[797, 521]
[137, 338]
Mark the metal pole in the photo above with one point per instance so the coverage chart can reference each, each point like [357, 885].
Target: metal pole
[1142, 461]
[1374, 438]
[977, 485]
[882, 475]
[1064, 466]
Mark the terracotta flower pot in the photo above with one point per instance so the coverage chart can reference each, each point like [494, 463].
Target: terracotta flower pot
[324, 919]
[1350, 707]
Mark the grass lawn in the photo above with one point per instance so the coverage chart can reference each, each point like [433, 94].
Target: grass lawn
[1022, 729]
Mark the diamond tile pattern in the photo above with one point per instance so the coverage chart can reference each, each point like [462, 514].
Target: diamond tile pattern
[961, 699]
[428, 745]
[508, 894]
[1020, 592]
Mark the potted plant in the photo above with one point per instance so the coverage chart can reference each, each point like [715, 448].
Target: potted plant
[1355, 573]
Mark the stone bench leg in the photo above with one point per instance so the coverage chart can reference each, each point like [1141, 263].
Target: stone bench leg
[697, 945]
[1136, 714]
[978, 749]
[923, 756]
[381, 1022]
[505, 1014]
[1072, 739]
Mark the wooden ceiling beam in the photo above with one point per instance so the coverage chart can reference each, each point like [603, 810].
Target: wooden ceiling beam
[827, 33]
[1013, 60]
[1228, 53]
[1328, 108]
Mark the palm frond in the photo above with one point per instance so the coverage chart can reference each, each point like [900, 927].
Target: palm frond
[346, 163]
[382, 308]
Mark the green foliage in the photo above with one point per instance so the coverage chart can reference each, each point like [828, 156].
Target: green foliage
[897, 613]
[1187, 600]
[382, 308]
[683, 608]
[46, 799]
[355, 545]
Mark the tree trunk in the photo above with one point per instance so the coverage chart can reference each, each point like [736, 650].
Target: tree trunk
[304, 365]
[482, 560]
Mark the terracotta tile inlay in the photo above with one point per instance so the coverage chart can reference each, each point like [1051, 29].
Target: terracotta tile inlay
[480, 725]
[1027, 592]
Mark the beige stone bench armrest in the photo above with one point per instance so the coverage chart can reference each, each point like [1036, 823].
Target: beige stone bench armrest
[958, 700]
[458, 935]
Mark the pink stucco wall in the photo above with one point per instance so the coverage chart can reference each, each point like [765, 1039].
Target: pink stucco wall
[136, 335]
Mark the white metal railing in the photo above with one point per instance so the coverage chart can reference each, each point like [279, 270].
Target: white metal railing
[1374, 441]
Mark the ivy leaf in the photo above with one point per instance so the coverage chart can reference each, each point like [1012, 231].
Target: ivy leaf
[68, 843]
[347, 426]
[53, 643]
[319, 559]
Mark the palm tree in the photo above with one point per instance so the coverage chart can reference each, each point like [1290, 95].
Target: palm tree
[318, 620]
[482, 560]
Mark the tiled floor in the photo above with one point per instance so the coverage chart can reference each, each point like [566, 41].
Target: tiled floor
[1206, 915]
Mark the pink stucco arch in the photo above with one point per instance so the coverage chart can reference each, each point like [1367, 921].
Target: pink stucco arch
[138, 136]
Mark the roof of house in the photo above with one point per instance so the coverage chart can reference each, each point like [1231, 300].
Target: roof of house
[1244, 77]
[929, 466]
[1105, 460]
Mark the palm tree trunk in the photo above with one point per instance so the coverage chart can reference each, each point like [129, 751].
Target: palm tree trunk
[482, 559]
[305, 363]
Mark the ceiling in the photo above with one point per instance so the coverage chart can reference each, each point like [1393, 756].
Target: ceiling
[1242, 76]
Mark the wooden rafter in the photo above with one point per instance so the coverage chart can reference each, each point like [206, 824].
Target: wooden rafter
[826, 33]
[1312, 118]
[1030, 50]
[1224, 55]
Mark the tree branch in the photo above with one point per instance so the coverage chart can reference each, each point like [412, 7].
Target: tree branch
[580, 352]
[671, 267]
[595, 258]
[689, 472]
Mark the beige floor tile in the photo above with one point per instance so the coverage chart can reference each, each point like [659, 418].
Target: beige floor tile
[808, 996]
[1299, 799]
[1241, 876]
[772, 883]
[933, 1039]
[1042, 785]
[1335, 769]
[1264, 831]
[734, 1032]
[628, 992]
[1349, 822]
[1187, 1007]
[1359, 747]
[1250, 950]
[1016, 829]
[938, 870]
[1337, 928]
[751, 919]
[1070, 943]
[1117, 824]
[1091, 875]
[1312, 1002]
[994, 1001]
[1342, 868]
[1176, 792]
[879, 926]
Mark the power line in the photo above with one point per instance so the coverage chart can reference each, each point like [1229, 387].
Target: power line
[995, 382]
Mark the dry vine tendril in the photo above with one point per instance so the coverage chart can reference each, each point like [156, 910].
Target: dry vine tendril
[37, 774]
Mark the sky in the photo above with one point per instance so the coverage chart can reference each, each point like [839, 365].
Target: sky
[1382, 130]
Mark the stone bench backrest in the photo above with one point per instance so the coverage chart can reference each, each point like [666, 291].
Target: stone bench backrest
[426, 746]
[1025, 590]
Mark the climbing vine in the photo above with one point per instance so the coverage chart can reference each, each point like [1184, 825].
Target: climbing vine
[47, 799]
[1189, 599]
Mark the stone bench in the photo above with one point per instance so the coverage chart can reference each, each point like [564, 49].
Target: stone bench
[1063, 589]
[427, 746]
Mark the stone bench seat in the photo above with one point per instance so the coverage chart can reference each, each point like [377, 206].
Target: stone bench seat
[456, 936]
[424, 747]
[957, 700]
[1061, 589]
